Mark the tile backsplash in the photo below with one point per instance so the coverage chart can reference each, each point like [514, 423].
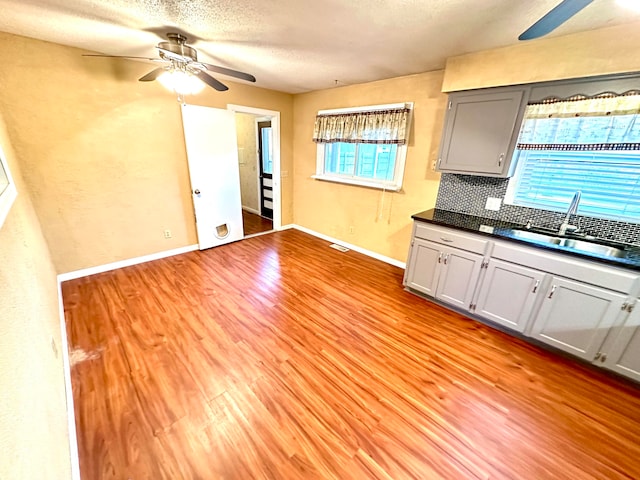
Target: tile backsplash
[468, 194]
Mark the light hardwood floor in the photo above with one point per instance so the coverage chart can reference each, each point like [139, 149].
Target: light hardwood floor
[279, 358]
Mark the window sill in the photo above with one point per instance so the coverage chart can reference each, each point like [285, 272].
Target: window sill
[391, 187]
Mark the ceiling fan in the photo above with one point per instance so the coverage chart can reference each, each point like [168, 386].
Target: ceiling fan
[554, 18]
[177, 56]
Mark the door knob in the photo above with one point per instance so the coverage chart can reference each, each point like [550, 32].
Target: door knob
[196, 191]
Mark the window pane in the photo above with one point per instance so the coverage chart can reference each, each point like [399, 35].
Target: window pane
[609, 181]
[340, 158]
[267, 150]
[362, 160]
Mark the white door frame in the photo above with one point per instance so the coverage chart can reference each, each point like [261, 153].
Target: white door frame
[275, 128]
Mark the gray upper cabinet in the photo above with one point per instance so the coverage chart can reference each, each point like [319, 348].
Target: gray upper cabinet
[481, 130]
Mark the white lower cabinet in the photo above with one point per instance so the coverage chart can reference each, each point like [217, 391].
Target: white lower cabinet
[446, 273]
[459, 277]
[576, 317]
[423, 266]
[624, 354]
[508, 294]
[582, 307]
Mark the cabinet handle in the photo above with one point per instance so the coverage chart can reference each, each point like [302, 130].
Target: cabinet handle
[535, 287]
[500, 159]
[444, 239]
[598, 355]
[440, 258]
[603, 358]
[624, 306]
[553, 289]
[446, 257]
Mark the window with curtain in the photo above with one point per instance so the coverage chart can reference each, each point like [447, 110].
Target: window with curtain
[591, 145]
[363, 146]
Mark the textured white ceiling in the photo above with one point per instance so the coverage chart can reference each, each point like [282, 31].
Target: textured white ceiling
[299, 45]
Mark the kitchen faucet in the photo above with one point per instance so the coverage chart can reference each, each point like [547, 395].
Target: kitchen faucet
[573, 209]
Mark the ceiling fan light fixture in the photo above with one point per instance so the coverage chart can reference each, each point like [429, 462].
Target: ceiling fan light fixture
[181, 82]
[630, 4]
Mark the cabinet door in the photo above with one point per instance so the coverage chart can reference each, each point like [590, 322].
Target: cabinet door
[508, 294]
[480, 132]
[459, 277]
[624, 355]
[424, 266]
[576, 317]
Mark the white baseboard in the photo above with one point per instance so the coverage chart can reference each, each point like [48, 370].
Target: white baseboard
[288, 226]
[355, 248]
[250, 210]
[85, 272]
[71, 414]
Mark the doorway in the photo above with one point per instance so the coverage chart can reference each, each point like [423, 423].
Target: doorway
[258, 140]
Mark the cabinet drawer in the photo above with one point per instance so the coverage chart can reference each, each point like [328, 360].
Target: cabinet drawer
[452, 238]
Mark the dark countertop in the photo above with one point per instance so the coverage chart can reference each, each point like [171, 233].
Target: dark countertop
[504, 230]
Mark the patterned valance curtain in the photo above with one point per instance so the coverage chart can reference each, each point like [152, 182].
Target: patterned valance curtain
[603, 122]
[378, 126]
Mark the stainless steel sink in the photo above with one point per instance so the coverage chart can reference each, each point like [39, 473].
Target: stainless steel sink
[591, 247]
[572, 243]
[536, 237]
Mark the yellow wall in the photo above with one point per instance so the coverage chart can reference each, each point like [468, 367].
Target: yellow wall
[104, 155]
[33, 420]
[597, 52]
[381, 221]
[248, 160]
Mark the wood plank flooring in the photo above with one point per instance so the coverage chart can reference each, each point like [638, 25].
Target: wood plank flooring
[253, 223]
[279, 358]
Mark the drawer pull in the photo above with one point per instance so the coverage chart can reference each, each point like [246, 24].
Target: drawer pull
[446, 257]
[440, 258]
[445, 239]
[535, 287]
[553, 289]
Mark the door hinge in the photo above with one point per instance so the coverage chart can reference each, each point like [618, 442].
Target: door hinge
[412, 242]
[449, 105]
[439, 162]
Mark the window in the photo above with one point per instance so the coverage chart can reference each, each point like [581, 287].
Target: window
[591, 145]
[267, 156]
[7, 189]
[364, 146]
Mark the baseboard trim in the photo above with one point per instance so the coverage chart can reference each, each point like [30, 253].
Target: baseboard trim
[355, 248]
[71, 414]
[251, 210]
[85, 272]
[288, 226]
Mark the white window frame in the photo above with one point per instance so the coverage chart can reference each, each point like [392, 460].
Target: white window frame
[8, 196]
[401, 153]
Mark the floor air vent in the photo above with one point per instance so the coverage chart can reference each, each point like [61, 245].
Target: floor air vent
[340, 248]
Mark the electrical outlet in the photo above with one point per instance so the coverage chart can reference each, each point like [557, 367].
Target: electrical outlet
[493, 203]
[167, 234]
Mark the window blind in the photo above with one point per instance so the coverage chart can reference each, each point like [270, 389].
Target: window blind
[609, 181]
[586, 144]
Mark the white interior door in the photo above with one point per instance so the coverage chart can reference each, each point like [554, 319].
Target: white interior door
[212, 152]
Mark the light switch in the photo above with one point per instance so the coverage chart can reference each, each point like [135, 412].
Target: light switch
[493, 203]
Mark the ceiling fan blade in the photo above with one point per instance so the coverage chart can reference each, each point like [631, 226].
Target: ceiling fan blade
[123, 56]
[229, 72]
[556, 17]
[212, 82]
[152, 75]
